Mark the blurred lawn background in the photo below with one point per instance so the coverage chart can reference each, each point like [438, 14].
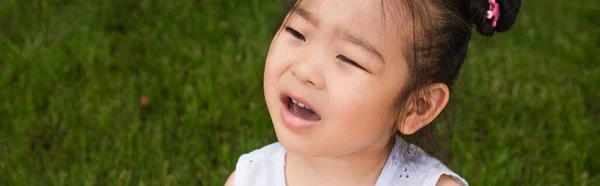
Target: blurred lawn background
[525, 111]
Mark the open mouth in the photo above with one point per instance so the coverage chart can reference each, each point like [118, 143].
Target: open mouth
[300, 109]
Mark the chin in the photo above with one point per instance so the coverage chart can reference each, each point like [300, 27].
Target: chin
[303, 143]
[306, 144]
[300, 147]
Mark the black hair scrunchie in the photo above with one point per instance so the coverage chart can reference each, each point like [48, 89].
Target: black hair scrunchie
[508, 15]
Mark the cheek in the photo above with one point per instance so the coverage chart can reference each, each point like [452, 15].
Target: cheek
[274, 65]
[278, 57]
[271, 70]
[358, 117]
[362, 109]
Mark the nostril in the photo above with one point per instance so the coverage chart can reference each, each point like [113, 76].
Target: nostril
[308, 75]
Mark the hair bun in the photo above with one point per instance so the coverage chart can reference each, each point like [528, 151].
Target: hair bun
[508, 15]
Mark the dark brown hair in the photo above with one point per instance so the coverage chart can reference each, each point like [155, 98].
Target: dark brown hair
[441, 31]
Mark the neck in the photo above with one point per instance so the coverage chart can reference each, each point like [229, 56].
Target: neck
[362, 167]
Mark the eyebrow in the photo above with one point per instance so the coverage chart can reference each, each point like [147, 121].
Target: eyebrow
[310, 17]
[362, 43]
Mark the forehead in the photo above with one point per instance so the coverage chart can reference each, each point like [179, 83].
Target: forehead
[383, 24]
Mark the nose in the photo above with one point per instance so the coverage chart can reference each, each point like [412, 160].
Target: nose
[309, 69]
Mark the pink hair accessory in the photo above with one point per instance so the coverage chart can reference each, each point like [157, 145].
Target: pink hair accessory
[493, 12]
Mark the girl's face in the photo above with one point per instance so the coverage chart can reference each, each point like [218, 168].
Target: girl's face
[332, 76]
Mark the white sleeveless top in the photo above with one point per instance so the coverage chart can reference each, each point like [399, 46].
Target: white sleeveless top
[404, 166]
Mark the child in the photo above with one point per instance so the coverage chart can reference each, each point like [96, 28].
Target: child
[343, 76]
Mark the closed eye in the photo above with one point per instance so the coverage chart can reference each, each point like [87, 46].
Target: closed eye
[350, 61]
[295, 33]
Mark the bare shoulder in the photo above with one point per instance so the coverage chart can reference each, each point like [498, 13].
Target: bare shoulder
[446, 180]
[229, 181]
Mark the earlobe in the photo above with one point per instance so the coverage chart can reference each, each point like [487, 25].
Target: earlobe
[423, 108]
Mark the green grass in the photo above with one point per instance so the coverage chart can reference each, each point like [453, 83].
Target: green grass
[525, 110]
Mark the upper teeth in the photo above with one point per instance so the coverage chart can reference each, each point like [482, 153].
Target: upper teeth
[299, 104]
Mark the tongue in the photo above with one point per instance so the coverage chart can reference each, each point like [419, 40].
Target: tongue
[304, 112]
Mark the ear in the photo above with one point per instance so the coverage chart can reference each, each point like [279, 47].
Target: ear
[423, 108]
